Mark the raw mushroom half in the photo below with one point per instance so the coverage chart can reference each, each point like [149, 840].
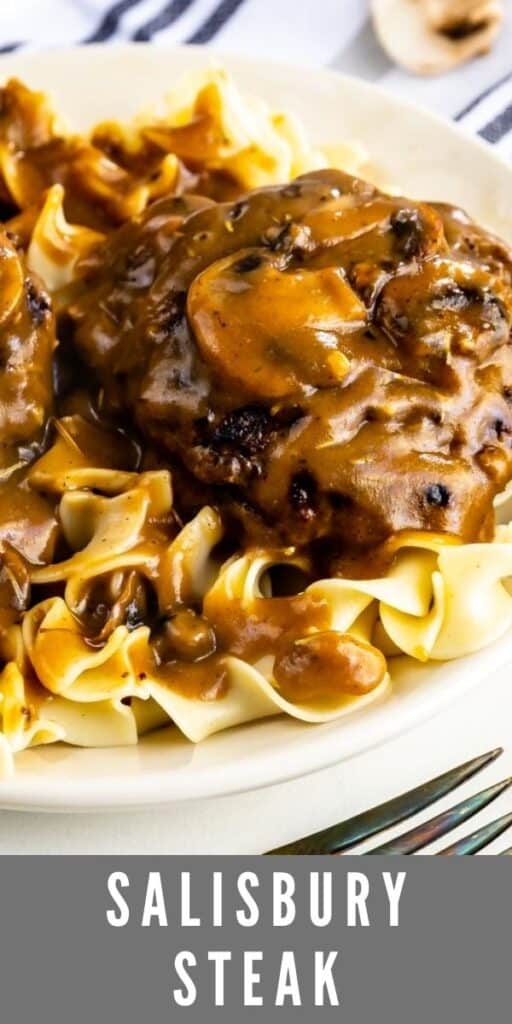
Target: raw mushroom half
[430, 37]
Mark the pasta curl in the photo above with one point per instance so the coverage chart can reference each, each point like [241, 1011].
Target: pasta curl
[439, 599]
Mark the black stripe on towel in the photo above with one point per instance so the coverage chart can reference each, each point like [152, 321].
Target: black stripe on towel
[167, 16]
[215, 22]
[109, 23]
[482, 96]
[500, 125]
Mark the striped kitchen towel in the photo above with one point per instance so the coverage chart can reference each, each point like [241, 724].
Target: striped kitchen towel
[335, 33]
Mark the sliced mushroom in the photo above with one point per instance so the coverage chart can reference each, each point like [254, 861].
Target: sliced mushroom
[430, 37]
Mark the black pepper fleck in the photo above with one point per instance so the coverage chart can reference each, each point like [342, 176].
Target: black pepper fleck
[38, 303]
[250, 262]
[238, 210]
[438, 496]
[408, 231]
[340, 502]
[302, 492]
[249, 429]
[292, 191]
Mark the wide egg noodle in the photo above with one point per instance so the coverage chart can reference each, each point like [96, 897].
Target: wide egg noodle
[30, 717]
[415, 635]
[108, 533]
[55, 246]
[251, 692]
[478, 607]
[187, 569]
[147, 715]
[71, 465]
[206, 119]
[245, 139]
[23, 719]
[422, 607]
[67, 665]
[106, 723]
[407, 588]
[250, 696]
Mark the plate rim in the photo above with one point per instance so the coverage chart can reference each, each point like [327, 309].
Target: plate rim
[163, 788]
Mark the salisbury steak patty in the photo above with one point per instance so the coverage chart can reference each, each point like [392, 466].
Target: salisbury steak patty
[333, 361]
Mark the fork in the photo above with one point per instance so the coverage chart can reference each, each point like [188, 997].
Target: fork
[349, 833]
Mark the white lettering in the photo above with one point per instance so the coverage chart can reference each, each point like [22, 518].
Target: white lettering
[320, 917]
[288, 982]
[249, 917]
[357, 893]
[283, 902]
[187, 921]
[154, 904]
[324, 979]
[116, 880]
[185, 996]
[251, 977]
[394, 891]
[219, 957]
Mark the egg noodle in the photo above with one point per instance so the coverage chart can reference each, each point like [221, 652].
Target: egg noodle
[63, 680]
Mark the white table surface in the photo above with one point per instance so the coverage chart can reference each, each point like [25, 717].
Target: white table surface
[253, 822]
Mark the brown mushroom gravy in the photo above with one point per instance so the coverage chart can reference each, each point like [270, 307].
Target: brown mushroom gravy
[327, 365]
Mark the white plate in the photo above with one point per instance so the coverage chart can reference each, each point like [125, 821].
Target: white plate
[429, 159]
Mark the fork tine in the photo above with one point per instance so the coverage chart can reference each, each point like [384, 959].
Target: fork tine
[369, 823]
[477, 840]
[443, 823]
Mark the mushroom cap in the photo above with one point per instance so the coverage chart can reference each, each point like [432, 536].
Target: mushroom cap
[430, 37]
